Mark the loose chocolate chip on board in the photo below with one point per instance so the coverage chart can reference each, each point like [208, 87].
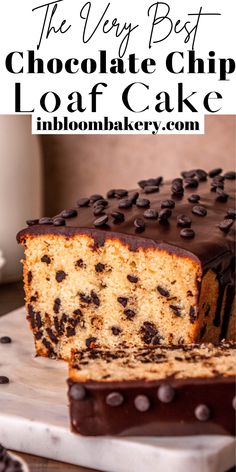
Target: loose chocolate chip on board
[99, 210]
[5, 340]
[69, 213]
[46, 259]
[4, 379]
[132, 278]
[214, 172]
[30, 277]
[101, 202]
[130, 314]
[101, 221]
[177, 187]
[139, 224]
[165, 393]
[231, 213]
[117, 216]
[194, 198]
[176, 310]
[190, 183]
[46, 221]
[134, 196]
[230, 175]
[201, 174]
[100, 267]
[187, 233]
[226, 224]
[151, 189]
[60, 275]
[202, 412]
[168, 204]
[111, 193]
[57, 305]
[199, 210]
[116, 330]
[114, 399]
[120, 193]
[142, 403]
[165, 214]
[83, 202]
[94, 198]
[151, 214]
[59, 221]
[188, 173]
[125, 203]
[216, 185]
[77, 392]
[91, 342]
[221, 195]
[143, 203]
[163, 291]
[123, 301]
[32, 222]
[184, 221]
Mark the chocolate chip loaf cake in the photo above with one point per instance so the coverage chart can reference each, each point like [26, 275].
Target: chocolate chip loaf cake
[135, 268]
[159, 391]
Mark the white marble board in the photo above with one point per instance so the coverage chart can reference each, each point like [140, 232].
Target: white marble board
[34, 419]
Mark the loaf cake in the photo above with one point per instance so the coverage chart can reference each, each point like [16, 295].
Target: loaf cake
[158, 391]
[139, 268]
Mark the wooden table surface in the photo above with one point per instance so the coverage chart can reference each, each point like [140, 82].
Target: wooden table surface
[11, 297]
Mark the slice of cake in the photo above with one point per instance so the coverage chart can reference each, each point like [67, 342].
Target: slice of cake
[159, 391]
[144, 267]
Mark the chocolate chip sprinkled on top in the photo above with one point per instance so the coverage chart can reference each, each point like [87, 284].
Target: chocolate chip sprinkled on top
[214, 172]
[114, 399]
[231, 213]
[230, 175]
[199, 210]
[194, 198]
[184, 221]
[101, 221]
[83, 202]
[71, 213]
[151, 214]
[32, 222]
[4, 380]
[5, 340]
[163, 291]
[187, 233]
[123, 301]
[132, 278]
[60, 275]
[139, 224]
[142, 403]
[168, 204]
[165, 214]
[46, 221]
[143, 203]
[125, 203]
[151, 189]
[165, 393]
[58, 221]
[226, 224]
[202, 412]
[117, 216]
[77, 392]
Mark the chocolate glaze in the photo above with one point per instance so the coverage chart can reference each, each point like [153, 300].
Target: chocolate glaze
[93, 417]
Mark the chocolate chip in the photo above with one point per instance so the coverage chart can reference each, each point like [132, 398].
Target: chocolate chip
[230, 175]
[201, 174]
[90, 342]
[151, 214]
[231, 213]
[188, 173]
[132, 278]
[60, 275]
[130, 314]
[38, 335]
[83, 202]
[163, 291]
[69, 213]
[184, 221]
[46, 221]
[58, 221]
[214, 172]
[101, 221]
[46, 259]
[29, 277]
[80, 263]
[99, 210]
[85, 298]
[52, 336]
[142, 403]
[187, 233]
[150, 333]
[57, 305]
[177, 187]
[150, 182]
[151, 189]
[165, 214]
[194, 198]
[94, 198]
[38, 320]
[70, 331]
[199, 210]
[165, 393]
[5, 340]
[32, 222]
[118, 216]
[120, 193]
[111, 193]
[123, 301]
[226, 224]
[4, 380]
[100, 267]
[176, 310]
[134, 196]
[125, 203]
[77, 392]
[139, 224]
[192, 314]
[167, 204]
[216, 185]
[202, 412]
[114, 399]
[102, 202]
[142, 203]
[221, 195]
[78, 312]
[95, 298]
[234, 403]
[116, 330]
[190, 183]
